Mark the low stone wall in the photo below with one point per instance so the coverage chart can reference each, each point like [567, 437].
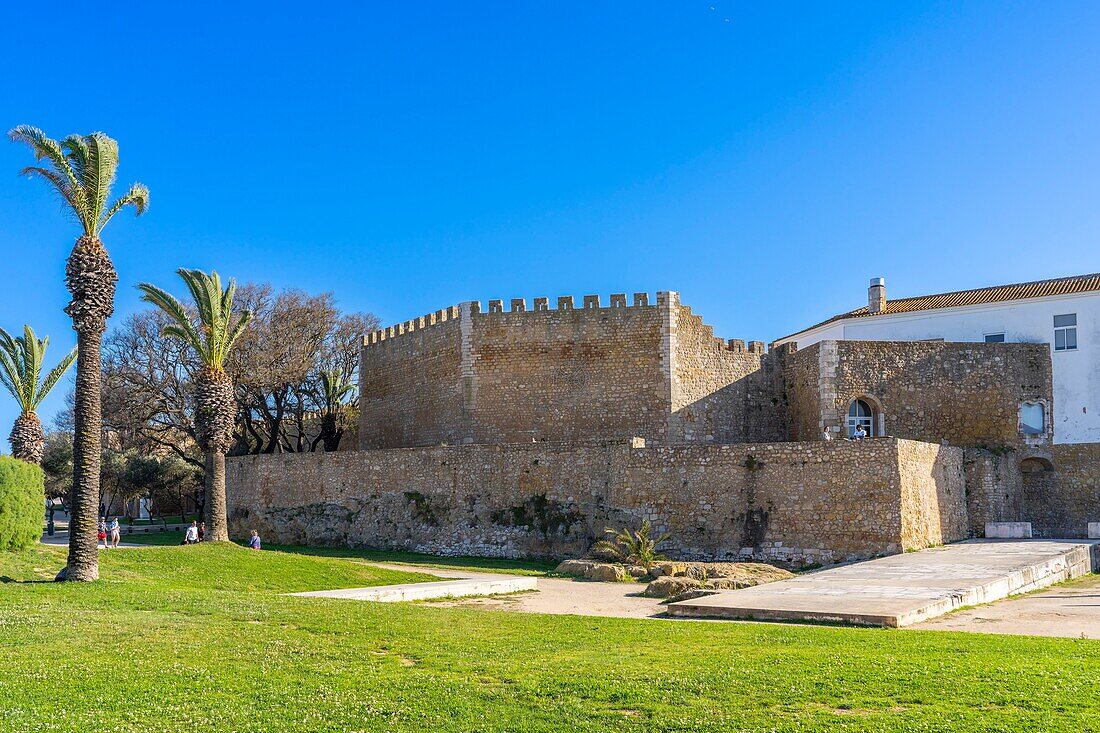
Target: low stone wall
[793, 503]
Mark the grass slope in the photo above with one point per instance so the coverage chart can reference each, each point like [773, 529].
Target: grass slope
[196, 638]
[479, 564]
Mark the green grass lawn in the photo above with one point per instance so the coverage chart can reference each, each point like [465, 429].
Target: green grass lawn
[198, 638]
[480, 564]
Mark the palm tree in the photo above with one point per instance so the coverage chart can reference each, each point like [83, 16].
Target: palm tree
[81, 168]
[211, 334]
[335, 388]
[21, 373]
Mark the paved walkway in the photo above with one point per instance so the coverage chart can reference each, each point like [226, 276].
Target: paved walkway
[905, 589]
[1071, 610]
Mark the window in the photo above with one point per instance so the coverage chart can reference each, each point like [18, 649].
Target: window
[1065, 332]
[1032, 419]
[860, 413]
[994, 338]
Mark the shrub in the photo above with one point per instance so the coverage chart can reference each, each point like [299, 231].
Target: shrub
[637, 548]
[22, 503]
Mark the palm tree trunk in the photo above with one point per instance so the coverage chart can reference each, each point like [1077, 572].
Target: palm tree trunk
[217, 526]
[87, 447]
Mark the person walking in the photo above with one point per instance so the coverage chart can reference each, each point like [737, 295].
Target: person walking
[202, 531]
[192, 535]
[102, 536]
[254, 540]
[116, 532]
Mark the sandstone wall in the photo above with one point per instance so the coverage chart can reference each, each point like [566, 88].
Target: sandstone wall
[933, 494]
[1060, 502]
[568, 375]
[411, 392]
[565, 374]
[722, 391]
[968, 394]
[785, 502]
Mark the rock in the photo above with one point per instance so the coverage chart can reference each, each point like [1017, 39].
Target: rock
[606, 573]
[697, 570]
[670, 585]
[689, 594]
[727, 584]
[637, 571]
[667, 568]
[576, 568]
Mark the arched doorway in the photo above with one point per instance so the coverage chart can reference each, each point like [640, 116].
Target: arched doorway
[865, 412]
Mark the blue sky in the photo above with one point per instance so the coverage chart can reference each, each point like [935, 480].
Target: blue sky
[764, 159]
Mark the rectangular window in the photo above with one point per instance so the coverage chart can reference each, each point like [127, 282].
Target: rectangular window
[1032, 419]
[1065, 332]
[994, 338]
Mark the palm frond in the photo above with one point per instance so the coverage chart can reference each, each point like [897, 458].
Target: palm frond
[54, 377]
[137, 196]
[214, 329]
[182, 327]
[45, 148]
[21, 368]
[99, 174]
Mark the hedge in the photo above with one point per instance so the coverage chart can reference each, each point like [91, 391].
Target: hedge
[22, 503]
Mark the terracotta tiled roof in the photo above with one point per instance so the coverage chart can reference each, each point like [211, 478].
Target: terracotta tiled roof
[996, 294]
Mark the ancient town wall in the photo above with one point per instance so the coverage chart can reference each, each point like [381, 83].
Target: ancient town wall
[410, 390]
[722, 391]
[568, 374]
[933, 494]
[529, 373]
[786, 502]
[966, 394]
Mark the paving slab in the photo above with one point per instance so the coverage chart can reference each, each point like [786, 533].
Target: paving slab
[475, 585]
[905, 589]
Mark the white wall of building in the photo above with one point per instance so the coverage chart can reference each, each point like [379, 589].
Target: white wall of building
[1076, 373]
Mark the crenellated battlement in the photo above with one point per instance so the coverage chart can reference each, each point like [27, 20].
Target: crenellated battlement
[516, 305]
[416, 324]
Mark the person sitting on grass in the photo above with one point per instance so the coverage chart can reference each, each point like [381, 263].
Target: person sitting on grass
[192, 535]
[254, 540]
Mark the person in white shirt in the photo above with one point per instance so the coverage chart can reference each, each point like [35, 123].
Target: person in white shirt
[826, 435]
[192, 535]
[860, 433]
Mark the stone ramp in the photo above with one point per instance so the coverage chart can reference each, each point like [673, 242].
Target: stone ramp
[905, 589]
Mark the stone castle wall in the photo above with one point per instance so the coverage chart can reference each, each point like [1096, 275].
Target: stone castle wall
[722, 391]
[967, 394]
[786, 502]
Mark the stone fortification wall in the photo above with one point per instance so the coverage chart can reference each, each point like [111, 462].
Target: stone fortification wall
[1060, 501]
[722, 391]
[967, 394]
[933, 493]
[526, 374]
[410, 389]
[785, 502]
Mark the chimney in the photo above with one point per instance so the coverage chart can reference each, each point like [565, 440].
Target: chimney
[876, 295]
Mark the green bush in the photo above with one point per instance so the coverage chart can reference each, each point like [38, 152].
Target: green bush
[22, 503]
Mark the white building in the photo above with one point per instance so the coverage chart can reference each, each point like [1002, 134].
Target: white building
[1064, 312]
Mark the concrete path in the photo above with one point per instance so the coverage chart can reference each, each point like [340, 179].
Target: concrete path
[901, 590]
[62, 539]
[1071, 610]
[471, 585]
